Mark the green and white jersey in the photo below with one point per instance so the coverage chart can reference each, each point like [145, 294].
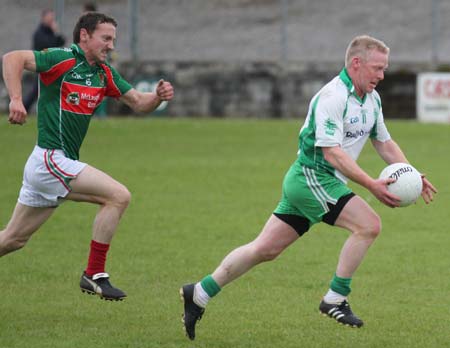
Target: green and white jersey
[69, 92]
[337, 116]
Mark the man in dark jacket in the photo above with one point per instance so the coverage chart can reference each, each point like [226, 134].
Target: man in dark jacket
[45, 36]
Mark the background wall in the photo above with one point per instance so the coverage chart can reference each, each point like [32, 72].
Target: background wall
[260, 58]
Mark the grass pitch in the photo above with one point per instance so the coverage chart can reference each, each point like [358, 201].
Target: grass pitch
[201, 188]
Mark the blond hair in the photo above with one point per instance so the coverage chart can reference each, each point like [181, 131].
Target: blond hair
[361, 45]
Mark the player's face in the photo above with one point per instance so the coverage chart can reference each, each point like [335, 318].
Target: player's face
[370, 71]
[97, 46]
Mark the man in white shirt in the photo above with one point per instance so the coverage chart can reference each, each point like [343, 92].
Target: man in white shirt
[341, 117]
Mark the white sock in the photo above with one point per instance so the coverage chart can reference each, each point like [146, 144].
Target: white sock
[201, 298]
[333, 297]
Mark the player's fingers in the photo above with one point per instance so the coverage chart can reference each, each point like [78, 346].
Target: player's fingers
[163, 87]
[388, 181]
[392, 201]
[426, 183]
[166, 94]
[166, 87]
[17, 118]
[431, 187]
[12, 117]
[426, 197]
[391, 205]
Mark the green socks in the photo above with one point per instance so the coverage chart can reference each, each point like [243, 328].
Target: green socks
[341, 285]
[210, 286]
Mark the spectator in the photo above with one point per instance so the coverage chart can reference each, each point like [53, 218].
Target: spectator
[45, 36]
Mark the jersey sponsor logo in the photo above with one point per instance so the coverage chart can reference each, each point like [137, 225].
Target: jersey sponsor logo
[330, 127]
[80, 99]
[356, 134]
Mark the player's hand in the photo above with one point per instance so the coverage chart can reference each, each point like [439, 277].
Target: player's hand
[17, 112]
[164, 90]
[380, 191]
[427, 190]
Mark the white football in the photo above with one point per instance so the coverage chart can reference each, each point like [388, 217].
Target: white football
[408, 184]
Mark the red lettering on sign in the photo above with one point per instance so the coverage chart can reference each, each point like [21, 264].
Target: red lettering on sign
[435, 88]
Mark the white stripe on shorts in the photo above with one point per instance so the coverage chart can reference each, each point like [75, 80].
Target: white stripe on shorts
[322, 200]
[319, 187]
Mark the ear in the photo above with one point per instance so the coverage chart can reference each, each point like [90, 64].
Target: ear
[356, 62]
[84, 35]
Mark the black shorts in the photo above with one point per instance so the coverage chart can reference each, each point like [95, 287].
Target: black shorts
[301, 224]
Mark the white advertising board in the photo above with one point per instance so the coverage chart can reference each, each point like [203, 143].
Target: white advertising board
[433, 97]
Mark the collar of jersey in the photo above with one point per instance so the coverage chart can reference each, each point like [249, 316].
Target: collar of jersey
[77, 50]
[349, 84]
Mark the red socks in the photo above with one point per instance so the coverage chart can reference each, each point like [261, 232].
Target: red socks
[97, 258]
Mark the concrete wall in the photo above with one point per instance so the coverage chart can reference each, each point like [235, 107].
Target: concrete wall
[224, 56]
[261, 90]
[250, 30]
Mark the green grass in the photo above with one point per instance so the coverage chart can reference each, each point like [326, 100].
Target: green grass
[201, 188]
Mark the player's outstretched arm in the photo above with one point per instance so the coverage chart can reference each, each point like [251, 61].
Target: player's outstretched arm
[14, 63]
[347, 166]
[148, 101]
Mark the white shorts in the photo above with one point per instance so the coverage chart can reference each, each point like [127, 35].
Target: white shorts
[46, 177]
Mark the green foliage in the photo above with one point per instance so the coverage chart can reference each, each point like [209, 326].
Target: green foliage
[200, 188]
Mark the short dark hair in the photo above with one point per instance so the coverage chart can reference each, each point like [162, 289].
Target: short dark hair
[89, 21]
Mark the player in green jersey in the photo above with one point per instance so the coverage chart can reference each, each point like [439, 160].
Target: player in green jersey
[72, 83]
[342, 116]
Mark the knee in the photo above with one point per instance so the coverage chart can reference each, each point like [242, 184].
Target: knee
[121, 197]
[372, 227]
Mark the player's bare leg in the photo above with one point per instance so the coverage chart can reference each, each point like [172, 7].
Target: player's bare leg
[24, 222]
[275, 237]
[95, 186]
[365, 225]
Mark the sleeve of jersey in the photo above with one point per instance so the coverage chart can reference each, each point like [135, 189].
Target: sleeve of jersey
[116, 86]
[52, 63]
[379, 131]
[329, 124]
